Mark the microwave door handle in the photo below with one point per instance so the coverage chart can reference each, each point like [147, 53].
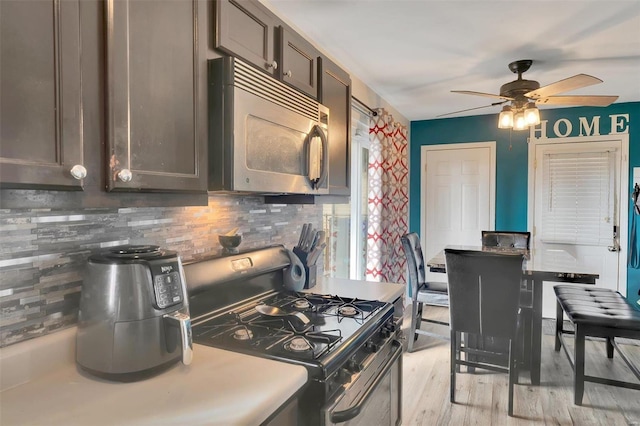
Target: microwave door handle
[324, 169]
[314, 175]
[309, 159]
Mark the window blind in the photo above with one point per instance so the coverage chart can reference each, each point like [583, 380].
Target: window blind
[577, 198]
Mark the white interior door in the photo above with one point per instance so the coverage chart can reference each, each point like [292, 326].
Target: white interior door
[458, 194]
[577, 192]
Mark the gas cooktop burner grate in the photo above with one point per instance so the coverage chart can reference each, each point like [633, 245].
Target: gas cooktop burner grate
[358, 310]
[332, 320]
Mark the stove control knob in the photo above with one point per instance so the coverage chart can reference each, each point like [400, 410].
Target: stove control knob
[371, 346]
[354, 366]
[343, 376]
[387, 330]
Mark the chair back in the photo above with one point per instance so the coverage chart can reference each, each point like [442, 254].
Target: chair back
[484, 290]
[512, 239]
[415, 262]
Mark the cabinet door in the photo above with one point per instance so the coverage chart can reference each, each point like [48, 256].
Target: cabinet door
[247, 29]
[156, 132]
[40, 94]
[335, 93]
[299, 62]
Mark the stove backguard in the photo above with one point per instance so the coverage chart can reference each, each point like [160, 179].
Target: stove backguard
[224, 281]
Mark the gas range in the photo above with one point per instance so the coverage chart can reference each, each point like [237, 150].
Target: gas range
[319, 332]
[239, 303]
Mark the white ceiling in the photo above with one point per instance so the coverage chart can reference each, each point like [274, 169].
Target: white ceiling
[413, 53]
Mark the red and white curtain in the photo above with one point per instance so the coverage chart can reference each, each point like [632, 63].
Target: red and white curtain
[388, 199]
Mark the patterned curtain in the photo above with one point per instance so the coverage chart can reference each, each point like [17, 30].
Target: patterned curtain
[388, 199]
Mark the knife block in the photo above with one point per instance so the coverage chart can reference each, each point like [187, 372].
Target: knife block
[310, 280]
[311, 271]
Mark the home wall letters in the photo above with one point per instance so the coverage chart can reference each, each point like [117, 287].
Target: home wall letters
[564, 127]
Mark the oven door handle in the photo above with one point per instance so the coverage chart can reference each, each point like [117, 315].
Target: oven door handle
[350, 413]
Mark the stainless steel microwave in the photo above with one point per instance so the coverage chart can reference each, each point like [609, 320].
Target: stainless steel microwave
[264, 136]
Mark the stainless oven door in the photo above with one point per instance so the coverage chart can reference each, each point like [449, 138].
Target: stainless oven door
[374, 397]
[277, 149]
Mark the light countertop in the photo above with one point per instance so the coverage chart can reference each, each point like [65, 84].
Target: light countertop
[41, 384]
[219, 387]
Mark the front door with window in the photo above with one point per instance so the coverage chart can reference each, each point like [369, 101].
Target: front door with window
[576, 209]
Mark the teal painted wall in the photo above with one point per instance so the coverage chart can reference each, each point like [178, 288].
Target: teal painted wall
[512, 159]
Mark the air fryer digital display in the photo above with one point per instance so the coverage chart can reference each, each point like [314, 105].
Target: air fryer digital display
[167, 285]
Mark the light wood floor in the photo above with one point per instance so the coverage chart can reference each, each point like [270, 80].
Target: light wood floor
[481, 398]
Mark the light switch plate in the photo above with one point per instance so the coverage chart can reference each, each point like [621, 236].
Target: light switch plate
[636, 176]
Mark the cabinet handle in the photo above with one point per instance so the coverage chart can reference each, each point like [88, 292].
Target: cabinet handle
[273, 65]
[78, 172]
[288, 73]
[125, 175]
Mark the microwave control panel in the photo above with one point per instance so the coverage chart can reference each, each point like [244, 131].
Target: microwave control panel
[167, 285]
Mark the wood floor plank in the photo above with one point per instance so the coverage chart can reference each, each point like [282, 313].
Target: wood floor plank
[481, 398]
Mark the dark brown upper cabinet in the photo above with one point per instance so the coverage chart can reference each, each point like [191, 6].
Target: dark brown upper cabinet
[156, 96]
[41, 139]
[335, 93]
[299, 62]
[247, 29]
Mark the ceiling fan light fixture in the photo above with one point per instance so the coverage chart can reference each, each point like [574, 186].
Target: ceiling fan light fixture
[532, 114]
[519, 122]
[505, 120]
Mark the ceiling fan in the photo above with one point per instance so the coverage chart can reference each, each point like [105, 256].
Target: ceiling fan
[523, 96]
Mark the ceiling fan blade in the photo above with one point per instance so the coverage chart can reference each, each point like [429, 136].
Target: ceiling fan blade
[487, 95]
[585, 100]
[471, 109]
[566, 85]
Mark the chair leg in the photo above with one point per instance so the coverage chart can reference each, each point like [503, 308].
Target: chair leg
[610, 347]
[559, 325]
[473, 341]
[412, 331]
[578, 374]
[516, 355]
[525, 347]
[454, 356]
[419, 316]
[513, 373]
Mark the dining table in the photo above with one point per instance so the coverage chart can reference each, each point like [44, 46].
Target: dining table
[539, 266]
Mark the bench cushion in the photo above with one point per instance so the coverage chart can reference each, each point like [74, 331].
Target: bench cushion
[597, 306]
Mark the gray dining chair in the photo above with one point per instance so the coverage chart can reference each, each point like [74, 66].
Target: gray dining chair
[420, 290]
[517, 240]
[484, 291]
[506, 239]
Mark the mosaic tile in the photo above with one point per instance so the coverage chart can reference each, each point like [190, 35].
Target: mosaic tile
[43, 251]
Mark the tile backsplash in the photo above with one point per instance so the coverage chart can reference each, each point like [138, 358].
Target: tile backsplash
[43, 251]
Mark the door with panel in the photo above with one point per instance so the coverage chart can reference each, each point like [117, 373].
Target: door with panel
[335, 94]
[299, 61]
[457, 197]
[40, 95]
[578, 189]
[247, 29]
[156, 96]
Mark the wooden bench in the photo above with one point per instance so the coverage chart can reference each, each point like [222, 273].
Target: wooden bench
[595, 312]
